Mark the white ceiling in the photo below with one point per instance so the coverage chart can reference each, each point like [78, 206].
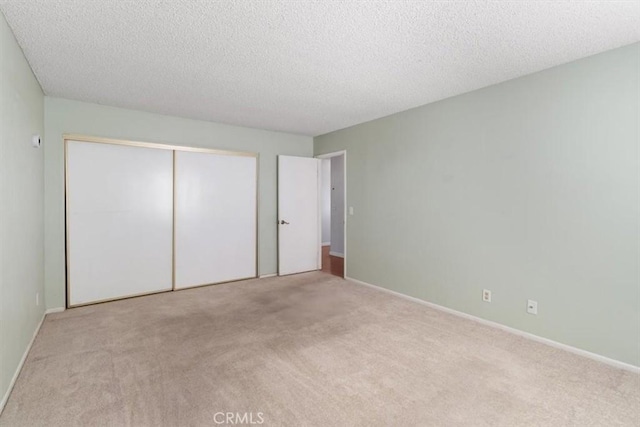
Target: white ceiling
[306, 67]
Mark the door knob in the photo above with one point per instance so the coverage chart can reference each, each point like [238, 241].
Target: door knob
[283, 222]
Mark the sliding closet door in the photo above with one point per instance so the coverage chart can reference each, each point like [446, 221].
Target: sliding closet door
[119, 221]
[215, 218]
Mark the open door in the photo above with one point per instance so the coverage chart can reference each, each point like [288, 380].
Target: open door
[298, 214]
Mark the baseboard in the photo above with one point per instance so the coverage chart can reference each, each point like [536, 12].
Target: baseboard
[265, 276]
[338, 254]
[5, 398]
[54, 310]
[326, 243]
[547, 341]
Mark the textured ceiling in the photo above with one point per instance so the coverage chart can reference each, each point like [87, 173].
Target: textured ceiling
[306, 67]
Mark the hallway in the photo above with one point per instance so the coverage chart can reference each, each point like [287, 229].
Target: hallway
[332, 264]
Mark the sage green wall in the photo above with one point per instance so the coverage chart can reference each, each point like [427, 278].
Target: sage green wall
[21, 211]
[528, 188]
[65, 116]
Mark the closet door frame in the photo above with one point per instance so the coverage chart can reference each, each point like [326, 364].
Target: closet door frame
[174, 148]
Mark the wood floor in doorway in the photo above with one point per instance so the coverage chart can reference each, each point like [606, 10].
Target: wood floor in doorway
[332, 264]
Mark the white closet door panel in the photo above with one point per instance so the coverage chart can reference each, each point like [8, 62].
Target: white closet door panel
[215, 226]
[119, 221]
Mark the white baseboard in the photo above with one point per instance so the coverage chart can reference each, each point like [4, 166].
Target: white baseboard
[54, 310]
[5, 398]
[566, 347]
[326, 243]
[265, 276]
[338, 254]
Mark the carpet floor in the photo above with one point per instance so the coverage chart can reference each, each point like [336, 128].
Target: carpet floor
[303, 350]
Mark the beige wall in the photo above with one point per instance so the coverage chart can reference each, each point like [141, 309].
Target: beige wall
[21, 211]
[65, 116]
[528, 188]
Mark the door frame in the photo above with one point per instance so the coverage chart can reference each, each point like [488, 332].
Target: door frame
[346, 208]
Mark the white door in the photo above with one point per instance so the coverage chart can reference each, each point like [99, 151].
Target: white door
[119, 221]
[298, 214]
[216, 218]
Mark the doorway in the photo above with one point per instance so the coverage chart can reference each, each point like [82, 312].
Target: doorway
[333, 212]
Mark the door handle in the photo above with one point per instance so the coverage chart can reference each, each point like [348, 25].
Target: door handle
[283, 222]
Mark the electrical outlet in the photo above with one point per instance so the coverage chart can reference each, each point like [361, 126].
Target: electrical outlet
[532, 306]
[486, 295]
[37, 298]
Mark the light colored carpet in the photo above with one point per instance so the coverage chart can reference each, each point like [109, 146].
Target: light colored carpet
[304, 350]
